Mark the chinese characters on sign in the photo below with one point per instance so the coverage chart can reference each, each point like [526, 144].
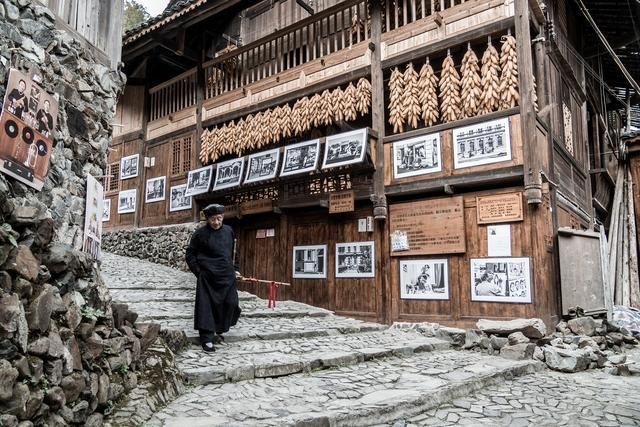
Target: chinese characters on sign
[431, 226]
[341, 202]
[499, 208]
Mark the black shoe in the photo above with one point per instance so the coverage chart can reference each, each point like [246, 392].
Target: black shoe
[219, 339]
[208, 347]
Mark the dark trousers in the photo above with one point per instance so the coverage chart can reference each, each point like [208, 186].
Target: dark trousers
[206, 336]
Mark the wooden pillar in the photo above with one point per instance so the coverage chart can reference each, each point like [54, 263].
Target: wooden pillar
[379, 198]
[532, 153]
[200, 82]
[141, 149]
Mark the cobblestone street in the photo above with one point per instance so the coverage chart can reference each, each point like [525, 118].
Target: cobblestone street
[300, 365]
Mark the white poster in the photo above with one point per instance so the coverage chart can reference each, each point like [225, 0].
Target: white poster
[199, 180]
[501, 280]
[155, 189]
[94, 212]
[355, 259]
[424, 279]
[127, 201]
[262, 166]
[416, 156]
[499, 240]
[310, 262]
[481, 144]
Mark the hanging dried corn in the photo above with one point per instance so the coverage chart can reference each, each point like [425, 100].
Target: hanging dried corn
[276, 125]
[363, 96]
[449, 91]
[471, 84]
[396, 90]
[411, 101]
[427, 88]
[286, 123]
[490, 100]
[338, 104]
[240, 136]
[315, 103]
[509, 96]
[350, 101]
[205, 140]
[326, 108]
[296, 118]
[306, 117]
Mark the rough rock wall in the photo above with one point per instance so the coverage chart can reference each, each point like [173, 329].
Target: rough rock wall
[162, 245]
[67, 355]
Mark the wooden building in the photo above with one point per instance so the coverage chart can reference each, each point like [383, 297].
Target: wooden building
[425, 151]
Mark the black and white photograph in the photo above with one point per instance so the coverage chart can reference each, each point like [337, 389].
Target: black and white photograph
[106, 210]
[229, 174]
[179, 201]
[355, 259]
[300, 158]
[500, 280]
[199, 180]
[345, 148]
[424, 279]
[481, 144]
[262, 166]
[155, 189]
[417, 156]
[127, 201]
[129, 166]
[310, 262]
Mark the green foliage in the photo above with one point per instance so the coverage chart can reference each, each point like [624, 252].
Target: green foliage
[123, 370]
[91, 313]
[134, 15]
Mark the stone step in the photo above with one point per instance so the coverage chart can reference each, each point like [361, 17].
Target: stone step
[245, 360]
[369, 393]
[281, 328]
[187, 294]
[162, 310]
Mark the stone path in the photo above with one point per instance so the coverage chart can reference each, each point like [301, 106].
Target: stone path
[301, 365]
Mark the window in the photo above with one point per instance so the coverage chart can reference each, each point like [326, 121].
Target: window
[112, 181]
[181, 149]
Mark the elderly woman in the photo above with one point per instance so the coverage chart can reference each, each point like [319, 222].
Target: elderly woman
[210, 257]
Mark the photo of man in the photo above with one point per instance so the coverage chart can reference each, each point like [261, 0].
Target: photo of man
[17, 98]
[44, 119]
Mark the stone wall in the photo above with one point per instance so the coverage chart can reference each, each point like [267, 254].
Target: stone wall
[67, 354]
[162, 245]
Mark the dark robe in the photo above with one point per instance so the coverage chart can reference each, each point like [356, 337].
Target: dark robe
[210, 258]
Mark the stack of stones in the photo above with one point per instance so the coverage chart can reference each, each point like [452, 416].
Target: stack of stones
[162, 245]
[576, 345]
[66, 355]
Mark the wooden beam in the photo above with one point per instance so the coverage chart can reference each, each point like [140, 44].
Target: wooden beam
[468, 182]
[568, 74]
[532, 154]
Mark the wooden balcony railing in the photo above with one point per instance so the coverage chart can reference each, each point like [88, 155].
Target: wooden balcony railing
[328, 31]
[173, 95]
[331, 30]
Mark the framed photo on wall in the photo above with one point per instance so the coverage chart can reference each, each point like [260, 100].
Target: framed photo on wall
[262, 166]
[129, 166]
[229, 174]
[155, 189]
[417, 156]
[424, 279]
[310, 262]
[481, 144]
[355, 259]
[199, 181]
[505, 279]
[106, 210]
[345, 148]
[127, 201]
[178, 200]
[300, 158]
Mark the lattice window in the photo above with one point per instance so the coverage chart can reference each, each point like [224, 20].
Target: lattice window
[112, 181]
[568, 127]
[258, 194]
[181, 155]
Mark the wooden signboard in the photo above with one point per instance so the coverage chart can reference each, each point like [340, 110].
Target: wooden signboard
[231, 211]
[499, 208]
[256, 206]
[343, 201]
[428, 227]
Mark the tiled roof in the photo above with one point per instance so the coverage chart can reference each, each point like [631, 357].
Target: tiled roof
[175, 10]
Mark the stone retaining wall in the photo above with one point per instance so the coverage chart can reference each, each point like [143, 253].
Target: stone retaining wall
[162, 245]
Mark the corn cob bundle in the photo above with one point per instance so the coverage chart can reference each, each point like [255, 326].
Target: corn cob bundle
[249, 130]
[363, 96]
[471, 84]
[276, 125]
[325, 110]
[306, 119]
[490, 100]
[297, 117]
[396, 90]
[350, 100]
[242, 142]
[286, 123]
[427, 88]
[338, 104]
[255, 131]
[268, 128]
[411, 101]
[230, 139]
[315, 104]
[204, 146]
[509, 96]
[449, 91]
